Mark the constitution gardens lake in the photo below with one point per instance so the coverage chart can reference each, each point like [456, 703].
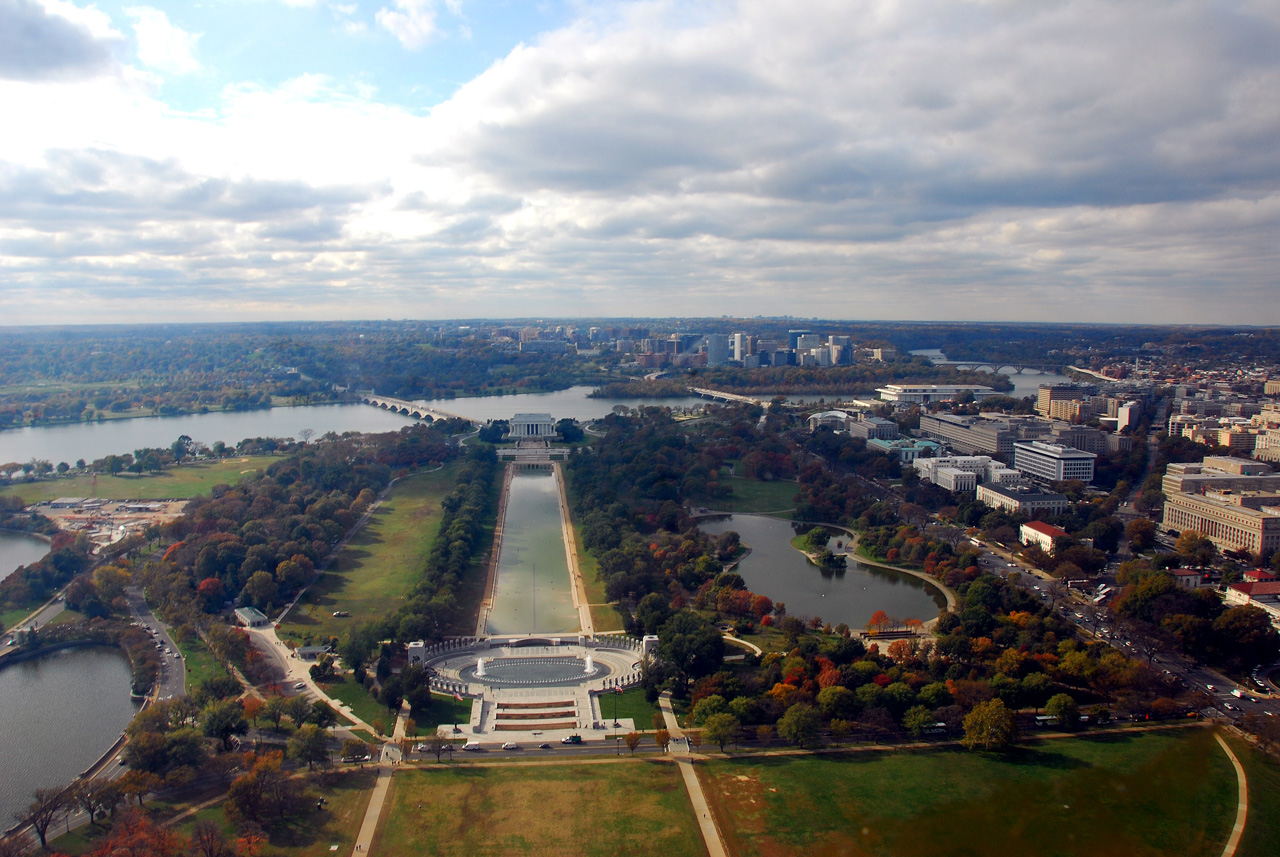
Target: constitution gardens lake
[18, 549]
[776, 569]
[60, 712]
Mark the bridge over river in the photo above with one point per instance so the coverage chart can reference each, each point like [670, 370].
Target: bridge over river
[417, 410]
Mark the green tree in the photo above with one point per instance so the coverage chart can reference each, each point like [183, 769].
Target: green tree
[310, 744]
[800, 724]
[692, 646]
[1064, 709]
[299, 709]
[916, 720]
[838, 701]
[261, 589]
[222, 719]
[721, 728]
[274, 710]
[990, 726]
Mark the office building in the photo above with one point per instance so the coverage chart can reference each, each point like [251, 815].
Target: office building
[869, 427]
[955, 479]
[1021, 499]
[717, 349]
[1051, 462]
[922, 394]
[983, 434]
[1233, 502]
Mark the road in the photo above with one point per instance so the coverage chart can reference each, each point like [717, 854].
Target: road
[1183, 674]
[173, 672]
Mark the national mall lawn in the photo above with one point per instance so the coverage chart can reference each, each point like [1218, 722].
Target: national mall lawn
[609, 808]
[1131, 794]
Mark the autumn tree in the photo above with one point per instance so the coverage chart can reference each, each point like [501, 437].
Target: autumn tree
[662, 738]
[990, 726]
[632, 740]
[135, 834]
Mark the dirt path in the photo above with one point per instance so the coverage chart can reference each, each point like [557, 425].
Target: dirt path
[1242, 801]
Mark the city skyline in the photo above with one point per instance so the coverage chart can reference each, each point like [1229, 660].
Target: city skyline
[298, 159]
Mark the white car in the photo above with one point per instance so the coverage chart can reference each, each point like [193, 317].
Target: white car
[511, 745]
[299, 685]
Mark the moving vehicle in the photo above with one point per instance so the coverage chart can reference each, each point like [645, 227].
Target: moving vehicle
[571, 739]
[299, 685]
[471, 745]
[510, 745]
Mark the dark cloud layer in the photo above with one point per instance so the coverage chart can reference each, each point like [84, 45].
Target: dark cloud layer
[35, 45]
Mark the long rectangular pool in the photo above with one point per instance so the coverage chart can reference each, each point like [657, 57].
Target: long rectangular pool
[532, 591]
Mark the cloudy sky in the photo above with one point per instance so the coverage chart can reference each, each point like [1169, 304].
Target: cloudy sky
[305, 159]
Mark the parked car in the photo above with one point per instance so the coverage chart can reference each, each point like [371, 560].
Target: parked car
[299, 685]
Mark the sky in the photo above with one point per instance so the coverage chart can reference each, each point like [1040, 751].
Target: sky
[1056, 160]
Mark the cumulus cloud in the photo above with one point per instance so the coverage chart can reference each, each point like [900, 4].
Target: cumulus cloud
[1090, 160]
[53, 40]
[412, 22]
[161, 44]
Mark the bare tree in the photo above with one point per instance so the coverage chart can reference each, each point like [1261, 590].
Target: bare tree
[305, 435]
[15, 846]
[1094, 616]
[207, 840]
[1057, 590]
[43, 810]
[436, 744]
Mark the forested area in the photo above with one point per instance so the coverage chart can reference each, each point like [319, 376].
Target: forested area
[78, 374]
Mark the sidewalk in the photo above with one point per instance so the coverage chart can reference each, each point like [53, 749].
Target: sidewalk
[685, 761]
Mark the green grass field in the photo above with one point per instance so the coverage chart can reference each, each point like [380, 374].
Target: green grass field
[630, 703]
[1262, 827]
[1151, 793]
[572, 810]
[375, 571]
[362, 704]
[200, 662]
[445, 711]
[752, 495]
[189, 480]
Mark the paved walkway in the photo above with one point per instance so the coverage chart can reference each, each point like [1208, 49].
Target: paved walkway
[684, 761]
[1242, 801]
[578, 585]
[370, 824]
